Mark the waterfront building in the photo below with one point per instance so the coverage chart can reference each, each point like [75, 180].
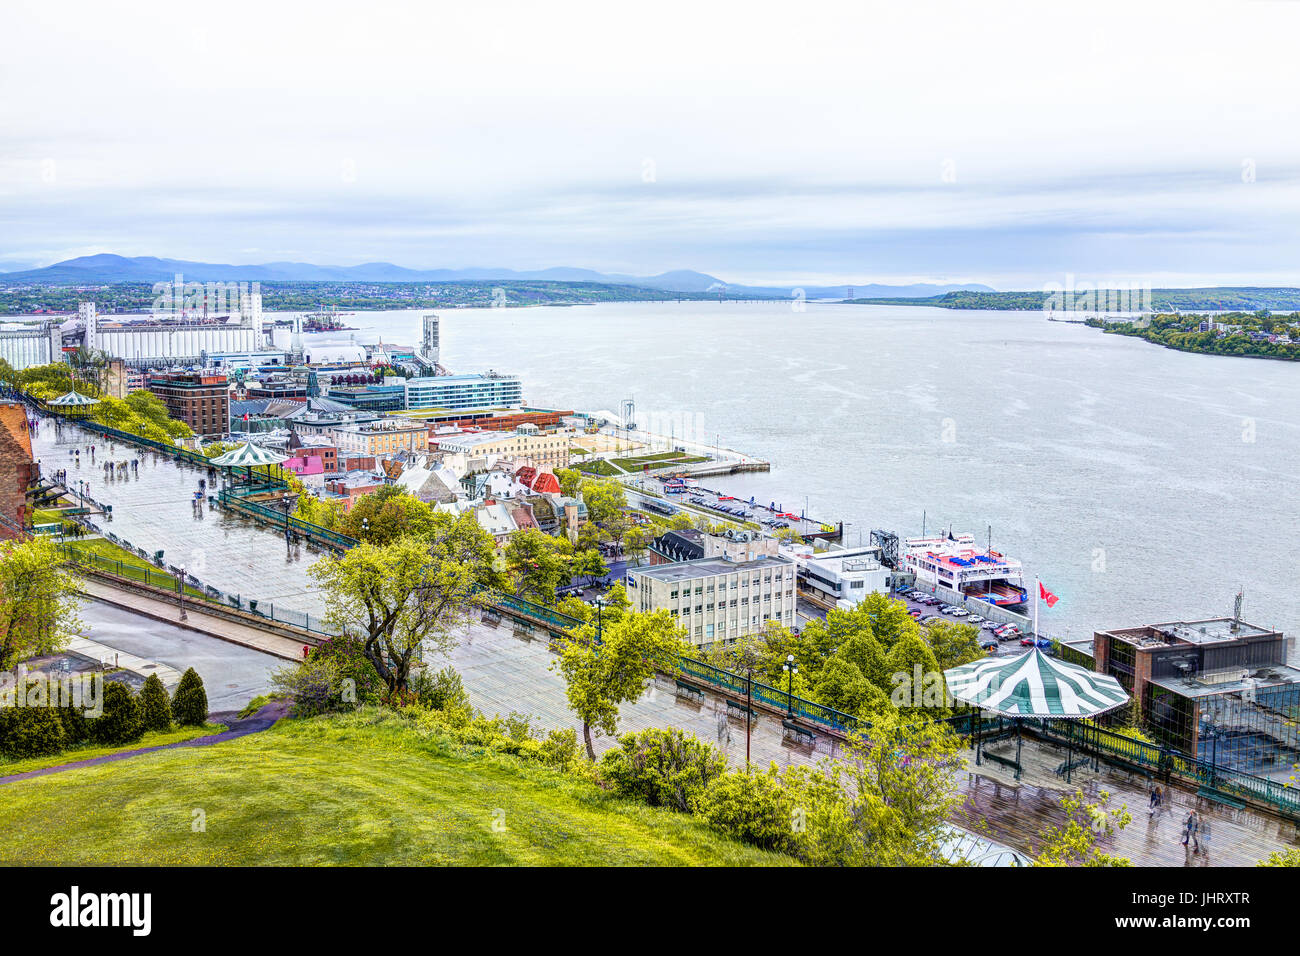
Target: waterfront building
[200, 399]
[453, 392]
[382, 438]
[1219, 689]
[844, 576]
[718, 600]
[388, 397]
[478, 450]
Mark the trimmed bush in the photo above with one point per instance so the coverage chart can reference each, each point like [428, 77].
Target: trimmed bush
[155, 706]
[440, 690]
[664, 768]
[120, 723]
[76, 726]
[190, 705]
[31, 732]
[752, 807]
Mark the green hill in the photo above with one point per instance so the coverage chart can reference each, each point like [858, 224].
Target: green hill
[350, 790]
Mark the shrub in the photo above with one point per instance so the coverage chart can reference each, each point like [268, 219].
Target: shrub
[560, 748]
[440, 690]
[316, 687]
[190, 705]
[120, 722]
[155, 707]
[664, 768]
[31, 732]
[347, 652]
[752, 807]
[76, 726]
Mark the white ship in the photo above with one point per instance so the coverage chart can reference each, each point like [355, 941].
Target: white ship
[955, 562]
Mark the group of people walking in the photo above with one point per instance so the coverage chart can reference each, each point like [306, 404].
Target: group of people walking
[1193, 828]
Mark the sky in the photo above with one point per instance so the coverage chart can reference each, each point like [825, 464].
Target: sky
[1015, 144]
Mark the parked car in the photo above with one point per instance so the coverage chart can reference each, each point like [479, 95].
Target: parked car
[989, 646]
[987, 626]
[960, 612]
[915, 613]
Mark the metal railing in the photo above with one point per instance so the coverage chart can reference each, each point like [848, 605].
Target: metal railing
[283, 520]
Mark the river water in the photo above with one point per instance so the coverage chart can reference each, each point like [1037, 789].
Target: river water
[1142, 484]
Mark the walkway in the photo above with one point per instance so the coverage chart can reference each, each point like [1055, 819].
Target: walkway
[237, 727]
[285, 648]
[116, 657]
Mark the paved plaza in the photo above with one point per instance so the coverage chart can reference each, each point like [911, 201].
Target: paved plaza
[154, 510]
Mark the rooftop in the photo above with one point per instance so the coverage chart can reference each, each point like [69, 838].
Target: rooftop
[1213, 631]
[706, 567]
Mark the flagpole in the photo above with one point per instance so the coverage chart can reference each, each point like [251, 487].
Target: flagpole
[1038, 589]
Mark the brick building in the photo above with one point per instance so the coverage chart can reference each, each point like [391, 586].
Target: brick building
[16, 467]
[199, 399]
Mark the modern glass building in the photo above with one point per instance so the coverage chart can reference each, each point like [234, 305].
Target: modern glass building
[1220, 690]
[464, 391]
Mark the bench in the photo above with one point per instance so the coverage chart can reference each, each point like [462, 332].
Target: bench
[1211, 794]
[797, 734]
[690, 692]
[740, 711]
[1067, 766]
[998, 758]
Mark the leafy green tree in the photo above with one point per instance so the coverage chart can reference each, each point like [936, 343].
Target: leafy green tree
[31, 732]
[1288, 857]
[602, 676]
[190, 703]
[953, 643]
[38, 602]
[570, 481]
[605, 499]
[538, 563]
[841, 685]
[1074, 842]
[155, 706]
[588, 564]
[388, 514]
[408, 593]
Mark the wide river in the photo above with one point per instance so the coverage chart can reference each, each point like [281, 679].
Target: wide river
[1142, 484]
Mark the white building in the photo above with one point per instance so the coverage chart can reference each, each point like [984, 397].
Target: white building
[719, 600]
[845, 577]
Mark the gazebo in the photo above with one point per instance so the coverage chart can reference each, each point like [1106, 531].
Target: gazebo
[1034, 685]
[73, 403]
[248, 456]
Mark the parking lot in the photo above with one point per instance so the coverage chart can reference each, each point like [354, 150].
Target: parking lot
[925, 606]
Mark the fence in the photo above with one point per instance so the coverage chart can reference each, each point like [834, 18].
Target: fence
[195, 590]
[234, 501]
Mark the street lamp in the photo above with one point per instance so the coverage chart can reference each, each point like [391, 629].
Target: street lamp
[790, 669]
[181, 592]
[600, 617]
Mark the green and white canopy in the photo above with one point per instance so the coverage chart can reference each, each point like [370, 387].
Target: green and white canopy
[1034, 685]
[249, 455]
[73, 399]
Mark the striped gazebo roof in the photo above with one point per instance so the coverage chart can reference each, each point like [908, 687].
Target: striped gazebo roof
[1034, 685]
[73, 399]
[249, 455]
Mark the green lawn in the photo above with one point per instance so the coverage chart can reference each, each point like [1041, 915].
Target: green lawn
[664, 459]
[86, 751]
[344, 791]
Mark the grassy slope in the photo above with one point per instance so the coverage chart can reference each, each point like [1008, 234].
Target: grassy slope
[341, 791]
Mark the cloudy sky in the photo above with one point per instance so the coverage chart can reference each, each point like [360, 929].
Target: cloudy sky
[792, 143]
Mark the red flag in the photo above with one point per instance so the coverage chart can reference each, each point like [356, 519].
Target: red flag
[1047, 595]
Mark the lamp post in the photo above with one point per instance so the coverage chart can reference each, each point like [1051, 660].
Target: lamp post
[180, 590]
[749, 707]
[790, 669]
[600, 618]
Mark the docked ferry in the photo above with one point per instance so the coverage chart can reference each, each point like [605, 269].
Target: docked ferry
[953, 561]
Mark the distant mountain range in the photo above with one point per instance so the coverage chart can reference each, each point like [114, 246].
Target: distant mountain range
[108, 268]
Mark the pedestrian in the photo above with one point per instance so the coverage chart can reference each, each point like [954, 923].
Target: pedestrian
[1191, 829]
[1154, 802]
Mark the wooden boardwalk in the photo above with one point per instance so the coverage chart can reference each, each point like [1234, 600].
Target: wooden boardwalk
[1017, 813]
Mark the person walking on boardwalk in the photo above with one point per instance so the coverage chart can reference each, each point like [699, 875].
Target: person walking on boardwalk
[1191, 829]
[1156, 797]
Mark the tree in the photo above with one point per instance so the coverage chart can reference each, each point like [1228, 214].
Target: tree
[409, 593]
[637, 541]
[1289, 857]
[570, 481]
[538, 564]
[841, 685]
[1074, 842]
[155, 707]
[388, 514]
[38, 603]
[190, 705]
[752, 807]
[31, 732]
[588, 564]
[605, 499]
[953, 643]
[602, 676]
